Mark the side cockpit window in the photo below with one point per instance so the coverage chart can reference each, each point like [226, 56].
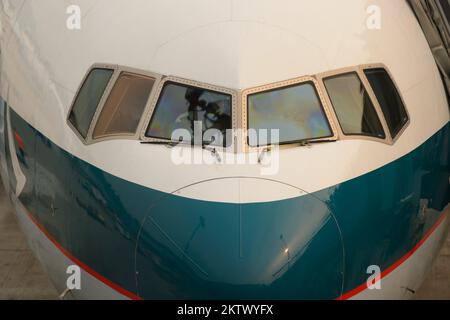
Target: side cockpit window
[88, 99]
[188, 108]
[124, 107]
[353, 106]
[389, 99]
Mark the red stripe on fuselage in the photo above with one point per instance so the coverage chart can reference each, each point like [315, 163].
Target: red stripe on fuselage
[19, 140]
[130, 295]
[386, 272]
[81, 264]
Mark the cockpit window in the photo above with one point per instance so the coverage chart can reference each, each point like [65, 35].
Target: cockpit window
[354, 109]
[296, 111]
[389, 99]
[123, 110]
[186, 107]
[88, 98]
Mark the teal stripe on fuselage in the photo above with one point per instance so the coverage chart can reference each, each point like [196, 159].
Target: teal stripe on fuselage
[197, 249]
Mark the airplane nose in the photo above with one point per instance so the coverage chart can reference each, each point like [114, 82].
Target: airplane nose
[239, 238]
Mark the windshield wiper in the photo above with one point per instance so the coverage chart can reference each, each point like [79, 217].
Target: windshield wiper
[169, 144]
[213, 151]
[309, 143]
[172, 144]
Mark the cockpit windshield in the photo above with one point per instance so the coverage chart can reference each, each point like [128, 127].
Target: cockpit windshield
[118, 102]
[186, 107]
[296, 111]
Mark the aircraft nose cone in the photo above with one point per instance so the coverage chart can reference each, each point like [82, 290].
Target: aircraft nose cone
[264, 240]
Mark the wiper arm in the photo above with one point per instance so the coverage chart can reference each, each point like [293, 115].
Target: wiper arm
[309, 143]
[172, 144]
[169, 144]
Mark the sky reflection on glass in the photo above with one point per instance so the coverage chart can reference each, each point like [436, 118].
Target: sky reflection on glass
[296, 111]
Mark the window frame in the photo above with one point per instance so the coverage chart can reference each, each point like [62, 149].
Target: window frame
[117, 71]
[116, 76]
[101, 102]
[347, 136]
[147, 118]
[280, 85]
[393, 140]
[239, 106]
[359, 70]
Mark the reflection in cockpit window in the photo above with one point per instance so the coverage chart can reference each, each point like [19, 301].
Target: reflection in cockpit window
[181, 107]
[353, 106]
[88, 99]
[295, 111]
[124, 107]
[389, 99]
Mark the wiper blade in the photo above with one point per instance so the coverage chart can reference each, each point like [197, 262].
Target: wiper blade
[175, 143]
[163, 143]
[172, 144]
[308, 143]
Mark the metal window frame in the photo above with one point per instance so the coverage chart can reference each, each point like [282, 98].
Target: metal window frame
[117, 71]
[239, 107]
[147, 118]
[123, 136]
[322, 77]
[72, 105]
[279, 85]
[364, 67]
[359, 70]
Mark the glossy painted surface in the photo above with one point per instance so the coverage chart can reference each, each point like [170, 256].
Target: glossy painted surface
[102, 205]
[43, 67]
[188, 248]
